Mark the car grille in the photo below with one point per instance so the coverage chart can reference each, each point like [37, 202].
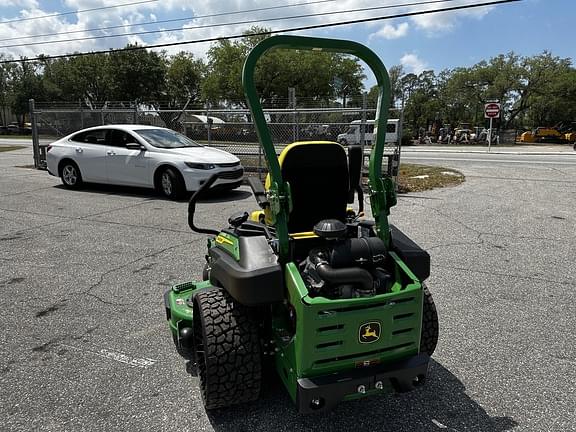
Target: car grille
[227, 165]
[231, 175]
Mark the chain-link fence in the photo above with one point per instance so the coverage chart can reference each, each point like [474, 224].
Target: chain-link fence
[229, 129]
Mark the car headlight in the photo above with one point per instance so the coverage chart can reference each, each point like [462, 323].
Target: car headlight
[202, 166]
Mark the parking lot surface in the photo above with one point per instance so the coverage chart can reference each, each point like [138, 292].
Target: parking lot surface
[84, 343]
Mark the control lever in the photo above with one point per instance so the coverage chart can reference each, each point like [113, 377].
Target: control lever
[259, 192]
[192, 206]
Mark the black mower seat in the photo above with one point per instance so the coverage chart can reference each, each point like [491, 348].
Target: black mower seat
[318, 175]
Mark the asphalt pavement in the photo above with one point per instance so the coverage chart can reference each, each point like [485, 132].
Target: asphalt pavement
[84, 343]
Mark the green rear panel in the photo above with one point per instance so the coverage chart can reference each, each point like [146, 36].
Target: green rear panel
[327, 331]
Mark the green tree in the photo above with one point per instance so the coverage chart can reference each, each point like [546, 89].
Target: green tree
[86, 79]
[26, 83]
[348, 76]
[7, 71]
[546, 91]
[184, 77]
[318, 77]
[137, 75]
[423, 105]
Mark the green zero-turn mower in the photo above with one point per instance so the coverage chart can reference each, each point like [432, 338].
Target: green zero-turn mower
[335, 303]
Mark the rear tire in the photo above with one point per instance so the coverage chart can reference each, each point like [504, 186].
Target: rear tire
[70, 175]
[171, 184]
[430, 330]
[227, 350]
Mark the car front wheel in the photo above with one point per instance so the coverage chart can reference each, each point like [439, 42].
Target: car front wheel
[70, 175]
[171, 184]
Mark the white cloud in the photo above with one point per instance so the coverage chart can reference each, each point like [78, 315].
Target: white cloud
[391, 32]
[130, 16]
[413, 63]
[443, 22]
[20, 3]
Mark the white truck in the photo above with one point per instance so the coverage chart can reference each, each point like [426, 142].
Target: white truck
[352, 135]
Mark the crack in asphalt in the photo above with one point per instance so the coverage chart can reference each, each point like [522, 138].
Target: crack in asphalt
[88, 291]
[24, 192]
[453, 244]
[46, 346]
[87, 217]
[481, 234]
[510, 275]
[479, 240]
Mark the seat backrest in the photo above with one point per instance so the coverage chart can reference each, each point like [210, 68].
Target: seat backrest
[318, 177]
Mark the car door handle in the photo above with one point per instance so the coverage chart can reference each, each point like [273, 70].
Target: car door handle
[111, 153]
[79, 149]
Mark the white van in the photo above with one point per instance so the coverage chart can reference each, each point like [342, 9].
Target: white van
[352, 135]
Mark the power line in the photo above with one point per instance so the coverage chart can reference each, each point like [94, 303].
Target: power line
[175, 19]
[253, 21]
[265, 33]
[76, 12]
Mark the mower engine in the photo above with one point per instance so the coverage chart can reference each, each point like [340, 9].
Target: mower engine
[346, 266]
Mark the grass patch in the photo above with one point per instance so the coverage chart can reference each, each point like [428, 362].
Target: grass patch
[418, 178]
[412, 178]
[10, 148]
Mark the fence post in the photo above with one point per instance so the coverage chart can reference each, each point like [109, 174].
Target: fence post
[260, 167]
[292, 105]
[135, 119]
[398, 150]
[35, 139]
[81, 115]
[208, 123]
[363, 121]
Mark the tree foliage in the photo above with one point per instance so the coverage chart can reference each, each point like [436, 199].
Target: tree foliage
[317, 77]
[534, 91]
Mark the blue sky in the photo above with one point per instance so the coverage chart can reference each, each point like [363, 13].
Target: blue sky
[435, 41]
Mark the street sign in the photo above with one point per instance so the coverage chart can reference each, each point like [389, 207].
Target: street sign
[491, 110]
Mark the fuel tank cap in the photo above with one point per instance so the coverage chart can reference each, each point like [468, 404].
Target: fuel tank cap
[330, 229]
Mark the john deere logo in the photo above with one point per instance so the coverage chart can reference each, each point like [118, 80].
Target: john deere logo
[369, 332]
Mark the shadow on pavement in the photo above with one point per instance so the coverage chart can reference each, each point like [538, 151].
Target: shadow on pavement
[442, 404]
[215, 196]
[218, 196]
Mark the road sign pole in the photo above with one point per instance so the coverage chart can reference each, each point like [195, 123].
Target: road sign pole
[490, 135]
[491, 110]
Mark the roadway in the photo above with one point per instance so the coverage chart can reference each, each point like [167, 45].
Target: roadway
[85, 346]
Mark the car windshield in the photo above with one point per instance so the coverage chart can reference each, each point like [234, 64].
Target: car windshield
[165, 138]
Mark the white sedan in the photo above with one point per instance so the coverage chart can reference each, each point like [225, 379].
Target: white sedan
[144, 156]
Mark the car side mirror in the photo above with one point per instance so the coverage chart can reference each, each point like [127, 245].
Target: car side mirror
[134, 146]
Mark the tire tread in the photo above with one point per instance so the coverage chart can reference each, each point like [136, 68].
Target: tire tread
[430, 328]
[230, 370]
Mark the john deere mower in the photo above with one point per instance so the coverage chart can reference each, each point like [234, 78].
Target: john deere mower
[308, 288]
